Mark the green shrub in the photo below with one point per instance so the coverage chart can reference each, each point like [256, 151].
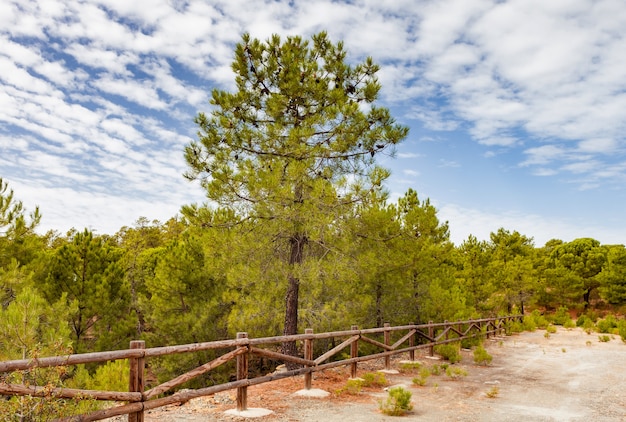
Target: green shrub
[607, 325]
[561, 316]
[481, 356]
[352, 387]
[456, 372]
[569, 324]
[551, 329]
[423, 376]
[604, 338]
[374, 379]
[468, 343]
[449, 351]
[397, 403]
[529, 323]
[410, 366]
[514, 327]
[539, 320]
[437, 369]
[621, 328]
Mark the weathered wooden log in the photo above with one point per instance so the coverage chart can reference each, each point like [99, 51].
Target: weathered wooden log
[67, 393]
[402, 340]
[336, 349]
[181, 379]
[376, 343]
[280, 356]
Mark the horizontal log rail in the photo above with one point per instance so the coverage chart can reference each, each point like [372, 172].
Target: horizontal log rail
[240, 349]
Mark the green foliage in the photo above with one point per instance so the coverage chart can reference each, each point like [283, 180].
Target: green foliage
[352, 387]
[455, 372]
[604, 338]
[449, 351]
[612, 279]
[607, 324]
[539, 320]
[468, 343]
[397, 403]
[86, 269]
[374, 379]
[561, 316]
[438, 369]
[424, 373]
[481, 356]
[621, 329]
[550, 329]
[528, 323]
[408, 367]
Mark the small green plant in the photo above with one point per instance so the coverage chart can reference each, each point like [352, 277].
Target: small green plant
[449, 351]
[493, 393]
[588, 343]
[563, 350]
[481, 356]
[397, 403]
[569, 324]
[455, 372]
[551, 329]
[436, 370]
[410, 367]
[374, 379]
[546, 334]
[352, 387]
[604, 338]
[423, 376]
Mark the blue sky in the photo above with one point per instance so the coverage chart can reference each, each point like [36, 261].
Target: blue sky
[517, 108]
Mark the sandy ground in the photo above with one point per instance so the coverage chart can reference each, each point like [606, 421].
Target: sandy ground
[570, 376]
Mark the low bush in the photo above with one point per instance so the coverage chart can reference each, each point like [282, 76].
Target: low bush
[621, 329]
[561, 316]
[423, 376]
[456, 372]
[481, 356]
[374, 379]
[449, 351]
[352, 387]
[607, 325]
[410, 367]
[397, 403]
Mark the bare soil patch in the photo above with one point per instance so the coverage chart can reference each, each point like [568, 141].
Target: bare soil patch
[570, 376]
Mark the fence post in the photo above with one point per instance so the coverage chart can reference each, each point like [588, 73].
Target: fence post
[136, 381]
[447, 326]
[354, 353]
[242, 374]
[431, 334]
[411, 344]
[387, 334]
[308, 354]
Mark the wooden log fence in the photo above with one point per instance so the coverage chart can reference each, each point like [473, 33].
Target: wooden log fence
[424, 336]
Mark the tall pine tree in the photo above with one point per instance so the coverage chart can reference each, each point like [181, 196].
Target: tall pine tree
[294, 146]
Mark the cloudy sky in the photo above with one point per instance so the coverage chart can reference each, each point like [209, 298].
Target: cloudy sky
[517, 108]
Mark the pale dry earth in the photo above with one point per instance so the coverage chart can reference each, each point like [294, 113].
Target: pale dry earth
[570, 376]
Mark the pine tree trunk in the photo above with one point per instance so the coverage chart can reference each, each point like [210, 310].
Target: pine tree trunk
[291, 299]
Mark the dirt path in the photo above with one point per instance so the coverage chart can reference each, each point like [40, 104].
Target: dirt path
[570, 376]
